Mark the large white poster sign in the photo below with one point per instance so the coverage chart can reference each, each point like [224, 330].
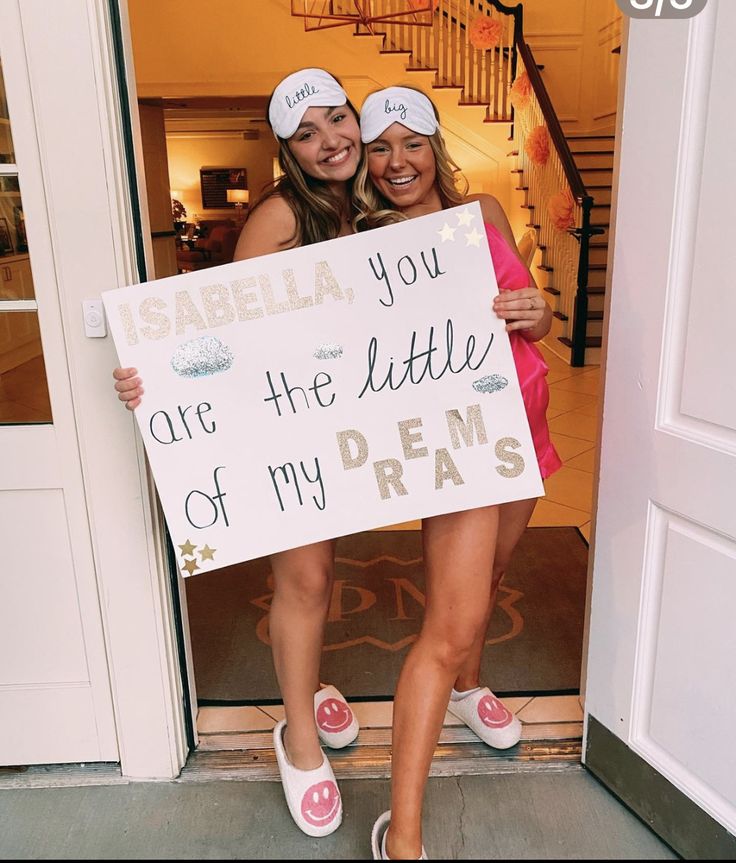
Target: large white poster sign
[326, 390]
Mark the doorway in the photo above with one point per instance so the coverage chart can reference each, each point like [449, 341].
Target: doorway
[194, 134]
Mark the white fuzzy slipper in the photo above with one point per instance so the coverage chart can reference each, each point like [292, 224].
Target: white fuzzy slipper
[336, 723]
[378, 838]
[484, 714]
[312, 796]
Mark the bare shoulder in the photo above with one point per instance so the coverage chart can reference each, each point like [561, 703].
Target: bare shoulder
[492, 210]
[270, 228]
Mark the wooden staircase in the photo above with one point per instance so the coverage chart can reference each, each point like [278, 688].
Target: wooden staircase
[572, 269]
[593, 156]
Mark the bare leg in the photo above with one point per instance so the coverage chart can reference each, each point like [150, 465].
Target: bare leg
[513, 518]
[458, 554]
[302, 588]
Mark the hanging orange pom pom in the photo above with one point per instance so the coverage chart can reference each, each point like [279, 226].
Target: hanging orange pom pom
[561, 209]
[537, 145]
[521, 92]
[485, 32]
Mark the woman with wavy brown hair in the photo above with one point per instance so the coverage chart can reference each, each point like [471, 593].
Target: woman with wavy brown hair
[319, 150]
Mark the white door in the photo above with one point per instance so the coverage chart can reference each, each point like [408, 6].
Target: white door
[662, 642]
[55, 699]
[89, 665]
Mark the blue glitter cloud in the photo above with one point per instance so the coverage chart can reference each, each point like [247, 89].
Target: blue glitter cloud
[490, 384]
[201, 357]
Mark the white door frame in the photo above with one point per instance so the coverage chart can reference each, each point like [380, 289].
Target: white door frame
[69, 50]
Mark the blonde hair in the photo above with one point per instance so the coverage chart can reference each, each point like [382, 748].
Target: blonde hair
[374, 210]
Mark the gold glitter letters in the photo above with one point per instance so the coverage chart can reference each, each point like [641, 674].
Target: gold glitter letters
[444, 469]
[388, 473]
[503, 447]
[161, 324]
[295, 301]
[410, 439]
[186, 313]
[272, 307]
[468, 428]
[343, 441]
[325, 283]
[126, 318]
[217, 305]
[244, 298]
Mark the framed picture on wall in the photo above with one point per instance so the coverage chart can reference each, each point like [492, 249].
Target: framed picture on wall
[6, 245]
[215, 182]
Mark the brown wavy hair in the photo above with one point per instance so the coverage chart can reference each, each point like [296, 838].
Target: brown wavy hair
[317, 209]
[374, 210]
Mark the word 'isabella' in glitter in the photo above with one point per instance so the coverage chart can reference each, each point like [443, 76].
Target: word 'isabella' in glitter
[217, 305]
[466, 431]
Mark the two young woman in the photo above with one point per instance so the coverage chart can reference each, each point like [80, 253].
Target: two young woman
[406, 172]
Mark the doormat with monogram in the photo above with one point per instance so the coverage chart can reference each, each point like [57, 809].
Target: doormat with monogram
[534, 643]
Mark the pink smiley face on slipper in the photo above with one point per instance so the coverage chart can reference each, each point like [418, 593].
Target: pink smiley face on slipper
[321, 803]
[333, 715]
[492, 713]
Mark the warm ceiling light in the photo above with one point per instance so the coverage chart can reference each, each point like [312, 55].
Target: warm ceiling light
[322, 14]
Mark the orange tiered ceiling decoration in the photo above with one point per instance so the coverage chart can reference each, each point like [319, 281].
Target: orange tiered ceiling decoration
[323, 14]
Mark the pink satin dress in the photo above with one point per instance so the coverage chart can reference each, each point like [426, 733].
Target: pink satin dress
[531, 368]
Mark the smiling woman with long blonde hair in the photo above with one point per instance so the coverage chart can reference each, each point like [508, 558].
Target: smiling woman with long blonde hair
[406, 173]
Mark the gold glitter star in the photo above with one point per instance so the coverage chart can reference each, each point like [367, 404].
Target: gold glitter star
[187, 548]
[447, 233]
[465, 218]
[207, 553]
[473, 238]
[190, 566]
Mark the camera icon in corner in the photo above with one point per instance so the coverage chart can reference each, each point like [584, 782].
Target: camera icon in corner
[661, 8]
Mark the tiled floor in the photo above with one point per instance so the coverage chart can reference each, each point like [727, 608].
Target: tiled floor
[573, 420]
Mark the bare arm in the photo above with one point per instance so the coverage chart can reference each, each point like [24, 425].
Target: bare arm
[270, 228]
[525, 309]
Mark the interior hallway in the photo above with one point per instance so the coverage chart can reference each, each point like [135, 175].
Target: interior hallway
[572, 415]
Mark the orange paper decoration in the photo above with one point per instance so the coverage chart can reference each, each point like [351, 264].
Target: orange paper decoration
[537, 145]
[521, 92]
[561, 210]
[485, 32]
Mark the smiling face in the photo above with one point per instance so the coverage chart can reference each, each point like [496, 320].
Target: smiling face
[492, 713]
[333, 715]
[402, 166]
[326, 144]
[321, 803]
